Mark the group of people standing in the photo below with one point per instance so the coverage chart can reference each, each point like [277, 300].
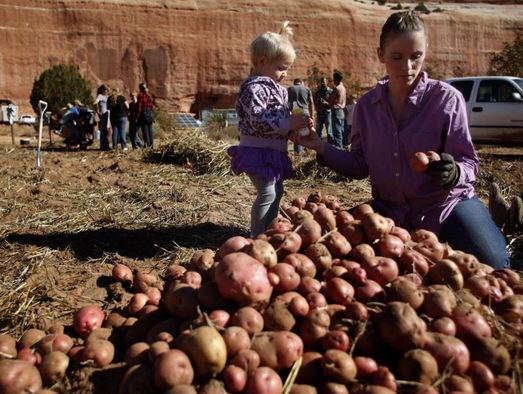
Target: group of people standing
[406, 112]
[332, 107]
[115, 111]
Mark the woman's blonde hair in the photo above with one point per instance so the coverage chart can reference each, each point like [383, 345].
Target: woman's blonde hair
[274, 46]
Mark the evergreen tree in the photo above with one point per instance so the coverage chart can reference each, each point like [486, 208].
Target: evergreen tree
[510, 60]
[59, 85]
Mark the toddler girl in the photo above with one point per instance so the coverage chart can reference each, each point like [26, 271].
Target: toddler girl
[264, 125]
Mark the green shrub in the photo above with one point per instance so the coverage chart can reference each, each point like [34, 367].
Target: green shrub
[510, 60]
[59, 85]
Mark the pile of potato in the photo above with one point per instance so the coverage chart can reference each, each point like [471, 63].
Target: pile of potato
[325, 301]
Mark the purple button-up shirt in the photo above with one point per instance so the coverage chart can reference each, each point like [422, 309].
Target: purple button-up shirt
[434, 118]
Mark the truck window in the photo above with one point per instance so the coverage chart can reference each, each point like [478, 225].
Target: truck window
[465, 87]
[495, 90]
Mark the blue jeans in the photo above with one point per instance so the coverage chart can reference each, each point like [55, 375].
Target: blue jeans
[119, 125]
[104, 140]
[267, 204]
[470, 228]
[136, 142]
[147, 132]
[338, 127]
[323, 118]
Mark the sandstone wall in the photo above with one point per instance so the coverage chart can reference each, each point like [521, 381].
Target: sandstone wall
[194, 52]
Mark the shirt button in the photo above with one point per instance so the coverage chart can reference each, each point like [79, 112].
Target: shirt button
[395, 153]
[397, 174]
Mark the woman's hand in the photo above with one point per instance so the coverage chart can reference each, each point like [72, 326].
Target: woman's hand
[311, 141]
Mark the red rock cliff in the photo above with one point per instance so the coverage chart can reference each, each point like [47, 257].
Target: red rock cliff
[194, 52]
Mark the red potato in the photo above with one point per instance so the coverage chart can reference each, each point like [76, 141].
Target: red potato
[202, 260]
[122, 273]
[262, 251]
[356, 311]
[314, 326]
[419, 366]
[401, 233]
[478, 285]
[192, 278]
[433, 156]
[376, 226]
[303, 389]
[400, 327]
[337, 244]
[235, 379]
[18, 376]
[138, 379]
[299, 306]
[320, 256]
[55, 342]
[300, 216]
[391, 246]
[419, 162]
[30, 337]
[448, 351]
[309, 285]
[316, 300]
[467, 264]
[302, 264]
[446, 272]
[338, 366]
[432, 249]
[443, 325]
[288, 278]
[315, 197]
[311, 207]
[354, 232]
[264, 380]
[404, 290]
[332, 203]
[511, 308]
[232, 245]
[278, 317]
[310, 369]
[100, 351]
[439, 301]
[370, 291]
[363, 252]
[360, 210]
[143, 280]
[181, 300]
[236, 339]
[336, 339]
[53, 367]
[384, 378]
[413, 261]
[136, 303]
[343, 217]
[220, 318]
[482, 377]
[7, 347]
[298, 202]
[87, 319]
[325, 217]
[243, 279]
[365, 366]
[174, 272]
[156, 349]
[357, 276]
[277, 349]
[422, 235]
[309, 231]
[278, 225]
[492, 353]
[249, 319]
[383, 271]
[172, 368]
[339, 291]
[470, 324]
[29, 355]
[246, 359]
[137, 353]
[285, 243]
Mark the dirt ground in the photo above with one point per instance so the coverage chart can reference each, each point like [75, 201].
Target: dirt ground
[62, 227]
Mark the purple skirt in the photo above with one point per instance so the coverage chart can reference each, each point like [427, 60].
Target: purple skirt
[269, 164]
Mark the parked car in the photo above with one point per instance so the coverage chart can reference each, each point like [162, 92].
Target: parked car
[27, 119]
[494, 107]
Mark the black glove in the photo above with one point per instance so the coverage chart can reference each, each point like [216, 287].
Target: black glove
[444, 171]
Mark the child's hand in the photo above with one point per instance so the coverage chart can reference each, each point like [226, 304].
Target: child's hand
[311, 141]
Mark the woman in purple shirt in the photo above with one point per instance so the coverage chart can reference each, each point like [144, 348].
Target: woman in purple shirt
[406, 113]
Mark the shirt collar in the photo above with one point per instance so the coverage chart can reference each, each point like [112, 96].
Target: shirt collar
[414, 97]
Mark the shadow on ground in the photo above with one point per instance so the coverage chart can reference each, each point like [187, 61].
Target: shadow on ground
[136, 244]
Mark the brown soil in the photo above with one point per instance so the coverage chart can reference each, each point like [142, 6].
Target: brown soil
[62, 227]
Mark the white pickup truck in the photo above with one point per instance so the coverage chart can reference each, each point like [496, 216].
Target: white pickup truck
[494, 107]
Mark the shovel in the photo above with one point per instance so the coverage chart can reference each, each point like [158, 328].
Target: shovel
[42, 106]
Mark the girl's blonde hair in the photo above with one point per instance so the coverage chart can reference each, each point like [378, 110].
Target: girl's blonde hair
[274, 46]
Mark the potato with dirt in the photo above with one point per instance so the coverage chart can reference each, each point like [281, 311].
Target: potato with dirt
[206, 349]
[18, 376]
[243, 279]
[419, 366]
[53, 367]
[277, 349]
[7, 347]
[87, 319]
[172, 368]
[338, 366]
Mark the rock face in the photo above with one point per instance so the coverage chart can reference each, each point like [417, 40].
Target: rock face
[194, 53]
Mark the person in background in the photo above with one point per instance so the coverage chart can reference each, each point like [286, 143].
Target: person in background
[349, 111]
[118, 107]
[408, 113]
[323, 109]
[144, 114]
[264, 125]
[69, 125]
[136, 142]
[337, 102]
[300, 96]
[100, 105]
